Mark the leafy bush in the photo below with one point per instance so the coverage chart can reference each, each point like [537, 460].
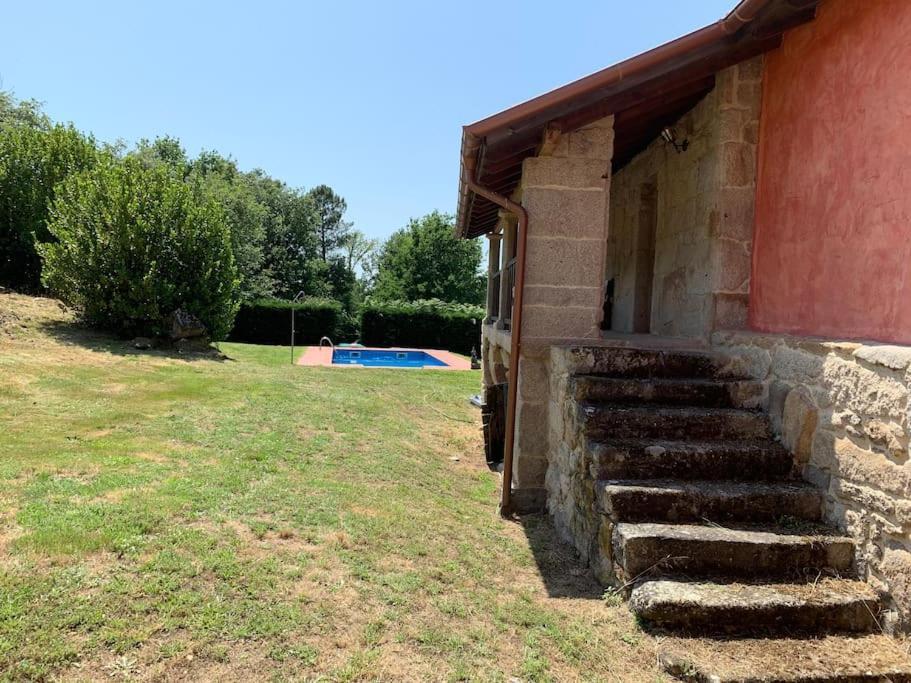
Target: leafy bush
[268, 321]
[134, 244]
[428, 324]
[32, 162]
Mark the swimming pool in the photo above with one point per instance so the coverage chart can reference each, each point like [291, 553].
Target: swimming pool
[357, 356]
[386, 358]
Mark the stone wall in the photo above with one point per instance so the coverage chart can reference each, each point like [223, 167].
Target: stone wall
[843, 410]
[704, 204]
[570, 481]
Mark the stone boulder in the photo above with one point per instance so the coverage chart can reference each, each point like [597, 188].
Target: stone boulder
[185, 325]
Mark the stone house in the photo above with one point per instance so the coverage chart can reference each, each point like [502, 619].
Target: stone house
[700, 260]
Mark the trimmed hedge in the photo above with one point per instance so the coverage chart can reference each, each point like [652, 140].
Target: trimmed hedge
[268, 321]
[424, 324]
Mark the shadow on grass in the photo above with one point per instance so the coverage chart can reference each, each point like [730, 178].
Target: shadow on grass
[565, 575]
[78, 334]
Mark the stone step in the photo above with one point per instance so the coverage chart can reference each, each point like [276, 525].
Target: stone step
[738, 609]
[629, 362]
[690, 549]
[712, 501]
[659, 459]
[614, 421]
[830, 659]
[710, 393]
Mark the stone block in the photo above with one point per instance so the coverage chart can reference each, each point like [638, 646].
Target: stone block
[545, 295]
[798, 424]
[795, 365]
[738, 164]
[528, 472]
[818, 477]
[731, 123]
[889, 435]
[864, 391]
[726, 87]
[736, 206]
[731, 261]
[531, 430]
[749, 93]
[592, 142]
[528, 501]
[534, 379]
[896, 571]
[855, 463]
[869, 499]
[778, 392]
[551, 322]
[564, 172]
[564, 262]
[892, 357]
[731, 311]
[750, 69]
[750, 133]
[570, 213]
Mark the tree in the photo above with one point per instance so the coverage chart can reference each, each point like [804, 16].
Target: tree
[166, 150]
[33, 160]
[219, 177]
[357, 248]
[291, 247]
[426, 261]
[134, 244]
[246, 219]
[25, 113]
[331, 229]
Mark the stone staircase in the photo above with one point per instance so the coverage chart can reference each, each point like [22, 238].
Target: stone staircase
[709, 531]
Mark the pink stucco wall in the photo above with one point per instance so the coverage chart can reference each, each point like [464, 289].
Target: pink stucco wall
[832, 244]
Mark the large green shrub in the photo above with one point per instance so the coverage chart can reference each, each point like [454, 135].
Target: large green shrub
[32, 162]
[268, 321]
[427, 324]
[134, 244]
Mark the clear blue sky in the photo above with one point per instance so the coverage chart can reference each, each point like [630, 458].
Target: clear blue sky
[368, 97]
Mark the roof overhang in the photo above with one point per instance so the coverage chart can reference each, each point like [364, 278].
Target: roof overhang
[644, 93]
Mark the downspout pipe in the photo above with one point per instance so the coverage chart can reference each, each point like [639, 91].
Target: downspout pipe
[515, 342]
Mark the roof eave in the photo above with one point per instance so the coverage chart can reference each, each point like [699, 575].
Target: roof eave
[474, 135]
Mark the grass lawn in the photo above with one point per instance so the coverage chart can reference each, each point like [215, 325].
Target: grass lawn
[169, 518]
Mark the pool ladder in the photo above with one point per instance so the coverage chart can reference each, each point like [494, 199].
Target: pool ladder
[329, 341]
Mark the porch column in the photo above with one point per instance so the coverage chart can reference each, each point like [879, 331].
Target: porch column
[566, 196]
[493, 283]
[506, 255]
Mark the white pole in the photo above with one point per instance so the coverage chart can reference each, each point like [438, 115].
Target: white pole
[294, 301]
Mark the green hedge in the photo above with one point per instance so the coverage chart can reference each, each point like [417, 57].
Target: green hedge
[268, 321]
[427, 324]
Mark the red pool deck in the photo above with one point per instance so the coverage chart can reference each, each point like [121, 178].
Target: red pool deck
[315, 356]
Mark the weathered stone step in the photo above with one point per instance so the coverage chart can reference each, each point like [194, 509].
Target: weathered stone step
[701, 550]
[713, 501]
[675, 391]
[673, 423]
[627, 362]
[831, 659]
[737, 608]
[659, 459]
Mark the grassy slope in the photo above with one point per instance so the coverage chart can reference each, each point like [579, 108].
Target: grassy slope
[170, 518]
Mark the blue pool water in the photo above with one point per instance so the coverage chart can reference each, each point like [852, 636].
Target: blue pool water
[385, 358]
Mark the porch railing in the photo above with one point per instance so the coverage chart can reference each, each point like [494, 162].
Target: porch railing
[493, 297]
[510, 286]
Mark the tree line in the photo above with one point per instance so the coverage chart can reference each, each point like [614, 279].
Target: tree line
[125, 233]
